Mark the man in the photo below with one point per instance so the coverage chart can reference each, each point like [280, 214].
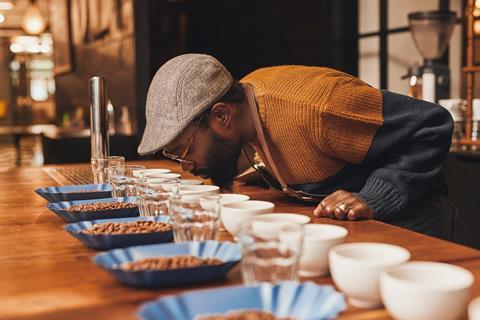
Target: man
[361, 152]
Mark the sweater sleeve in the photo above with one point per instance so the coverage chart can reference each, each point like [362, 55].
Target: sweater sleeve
[407, 152]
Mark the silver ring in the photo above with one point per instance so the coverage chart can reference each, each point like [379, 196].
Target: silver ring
[342, 207]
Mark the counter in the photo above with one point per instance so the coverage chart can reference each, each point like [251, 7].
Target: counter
[47, 274]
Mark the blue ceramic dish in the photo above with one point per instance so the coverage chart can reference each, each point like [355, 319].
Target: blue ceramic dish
[105, 242]
[305, 301]
[74, 192]
[61, 209]
[229, 252]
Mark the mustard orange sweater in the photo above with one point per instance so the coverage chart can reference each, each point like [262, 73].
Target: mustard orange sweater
[316, 119]
[327, 130]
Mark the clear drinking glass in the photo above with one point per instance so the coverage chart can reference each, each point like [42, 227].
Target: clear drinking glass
[126, 179]
[101, 165]
[273, 258]
[154, 198]
[192, 222]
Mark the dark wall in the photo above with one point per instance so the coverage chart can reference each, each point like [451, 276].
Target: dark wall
[463, 175]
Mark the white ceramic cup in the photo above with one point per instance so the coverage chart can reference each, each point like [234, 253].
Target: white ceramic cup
[154, 173]
[162, 177]
[234, 214]
[318, 239]
[474, 309]
[426, 290]
[208, 202]
[186, 189]
[269, 225]
[356, 268]
[191, 181]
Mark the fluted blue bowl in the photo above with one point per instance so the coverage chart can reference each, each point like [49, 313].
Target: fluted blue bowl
[105, 242]
[61, 209]
[71, 193]
[306, 301]
[228, 252]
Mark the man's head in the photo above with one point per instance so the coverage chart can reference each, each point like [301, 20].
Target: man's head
[194, 113]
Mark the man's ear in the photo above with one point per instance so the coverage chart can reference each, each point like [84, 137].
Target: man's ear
[220, 116]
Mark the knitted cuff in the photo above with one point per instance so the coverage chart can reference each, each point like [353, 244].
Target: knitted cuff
[381, 197]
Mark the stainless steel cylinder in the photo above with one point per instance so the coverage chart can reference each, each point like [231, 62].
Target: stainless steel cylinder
[98, 117]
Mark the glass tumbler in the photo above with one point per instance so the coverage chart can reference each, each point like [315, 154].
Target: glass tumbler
[271, 258]
[191, 221]
[126, 179]
[101, 165]
[154, 199]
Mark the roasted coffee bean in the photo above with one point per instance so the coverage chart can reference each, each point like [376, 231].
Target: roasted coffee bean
[100, 206]
[243, 315]
[133, 227]
[169, 263]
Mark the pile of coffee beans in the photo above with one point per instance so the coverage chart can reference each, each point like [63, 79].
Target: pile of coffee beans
[133, 227]
[169, 263]
[101, 206]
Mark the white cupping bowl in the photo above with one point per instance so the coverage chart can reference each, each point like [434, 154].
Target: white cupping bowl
[426, 290]
[208, 202]
[154, 173]
[356, 269]
[317, 241]
[234, 214]
[269, 225]
[191, 181]
[474, 309]
[162, 177]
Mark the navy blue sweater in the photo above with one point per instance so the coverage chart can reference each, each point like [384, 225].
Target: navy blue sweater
[404, 161]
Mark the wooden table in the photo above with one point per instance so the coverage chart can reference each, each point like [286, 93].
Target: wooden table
[47, 274]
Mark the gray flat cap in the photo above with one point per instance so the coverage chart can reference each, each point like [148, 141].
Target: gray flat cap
[182, 89]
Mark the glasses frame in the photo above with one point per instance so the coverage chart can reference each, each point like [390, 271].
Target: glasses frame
[181, 159]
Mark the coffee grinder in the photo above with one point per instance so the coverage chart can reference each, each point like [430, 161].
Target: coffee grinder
[431, 31]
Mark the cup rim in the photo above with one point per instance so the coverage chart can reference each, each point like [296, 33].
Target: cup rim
[302, 219]
[402, 256]
[261, 205]
[340, 232]
[466, 276]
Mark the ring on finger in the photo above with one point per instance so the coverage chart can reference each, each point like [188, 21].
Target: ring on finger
[342, 207]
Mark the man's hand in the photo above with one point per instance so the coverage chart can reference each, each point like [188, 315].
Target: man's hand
[343, 205]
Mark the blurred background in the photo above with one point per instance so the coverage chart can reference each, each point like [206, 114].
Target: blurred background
[50, 48]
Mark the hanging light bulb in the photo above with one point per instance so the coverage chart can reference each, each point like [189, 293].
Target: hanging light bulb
[33, 21]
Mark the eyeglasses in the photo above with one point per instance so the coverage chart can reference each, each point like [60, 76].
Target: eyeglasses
[273, 183]
[181, 158]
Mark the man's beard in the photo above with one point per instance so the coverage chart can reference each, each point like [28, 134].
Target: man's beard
[221, 160]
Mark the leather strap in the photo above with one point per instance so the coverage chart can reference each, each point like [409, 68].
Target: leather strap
[252, 104]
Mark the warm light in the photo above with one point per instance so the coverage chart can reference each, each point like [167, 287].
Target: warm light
[32, 44]
[476, 27]
[6, 5]
[2, 18]
[33, 21]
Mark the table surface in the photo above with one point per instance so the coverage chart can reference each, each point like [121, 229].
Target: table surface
[47, 274]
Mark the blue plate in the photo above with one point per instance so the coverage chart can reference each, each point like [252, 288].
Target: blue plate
[70, 193]
[61, 209]
[104, 242]
[306, 301]
[229, 252]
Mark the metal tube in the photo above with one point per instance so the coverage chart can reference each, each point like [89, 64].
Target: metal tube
[98, 117]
